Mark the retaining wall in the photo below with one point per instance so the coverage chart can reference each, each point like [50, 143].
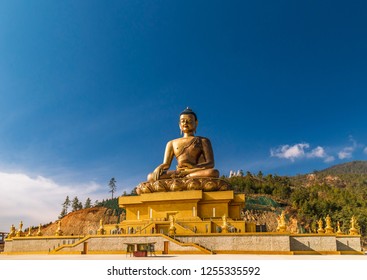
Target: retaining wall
[259, 243]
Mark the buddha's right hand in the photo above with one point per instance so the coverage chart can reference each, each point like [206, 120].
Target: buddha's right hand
[158, 172]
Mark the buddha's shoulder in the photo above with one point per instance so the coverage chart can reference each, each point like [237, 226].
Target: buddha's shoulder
[202, 138]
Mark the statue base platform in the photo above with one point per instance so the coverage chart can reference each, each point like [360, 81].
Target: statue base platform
[194, 211]
[183, 184]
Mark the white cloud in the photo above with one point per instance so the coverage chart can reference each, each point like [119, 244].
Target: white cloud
[299, 151]
[35, 200]
[365, 150]
[319, 152]
[290, 152]
[329, 159]
[347, 152]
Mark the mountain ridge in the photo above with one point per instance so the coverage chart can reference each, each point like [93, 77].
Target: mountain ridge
[352, 167]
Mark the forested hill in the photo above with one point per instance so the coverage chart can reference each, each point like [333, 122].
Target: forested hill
[353, 167]
[349, 174]
[339, 191]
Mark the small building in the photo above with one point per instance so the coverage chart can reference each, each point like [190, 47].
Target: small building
[2, 240]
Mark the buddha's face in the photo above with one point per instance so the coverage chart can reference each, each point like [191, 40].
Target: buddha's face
[187, 123]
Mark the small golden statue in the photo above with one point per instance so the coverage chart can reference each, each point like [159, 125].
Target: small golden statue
[293, 225]
[339, 231]
[195, 158]
[328, 228]
[281, 222]
[12, 232]
[101, 230]
[172, 228]
[354, 226]
[58, 231]
[320, 228]
[29, 234]
[20, 230]
[39, 233]
[224, 226]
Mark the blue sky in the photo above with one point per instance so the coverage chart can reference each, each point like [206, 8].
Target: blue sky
[91, 90]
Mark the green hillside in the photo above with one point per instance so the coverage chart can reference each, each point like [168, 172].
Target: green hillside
[339, 191]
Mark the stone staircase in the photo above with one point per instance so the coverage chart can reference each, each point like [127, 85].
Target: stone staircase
[196, 244]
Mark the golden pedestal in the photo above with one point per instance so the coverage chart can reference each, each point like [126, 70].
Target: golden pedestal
[194, 211]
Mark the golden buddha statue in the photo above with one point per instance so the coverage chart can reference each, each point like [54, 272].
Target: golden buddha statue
[194, 154]
[195, 162]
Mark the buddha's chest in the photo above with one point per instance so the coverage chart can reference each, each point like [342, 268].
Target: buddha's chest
[190, 148]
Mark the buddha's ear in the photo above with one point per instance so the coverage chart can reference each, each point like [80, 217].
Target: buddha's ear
[179, 125]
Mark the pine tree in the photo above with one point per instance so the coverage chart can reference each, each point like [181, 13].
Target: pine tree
[133, 192]
[88, 203]
[75, 205]
[66, 204]
[65, 207]
[63, 213]
[112, 185]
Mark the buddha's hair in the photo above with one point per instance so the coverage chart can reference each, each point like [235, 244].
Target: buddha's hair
[188, 111]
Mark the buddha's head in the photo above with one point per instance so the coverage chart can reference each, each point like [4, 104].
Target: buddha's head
[188, 121]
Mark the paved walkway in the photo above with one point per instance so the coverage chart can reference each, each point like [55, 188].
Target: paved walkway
[184, 257]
